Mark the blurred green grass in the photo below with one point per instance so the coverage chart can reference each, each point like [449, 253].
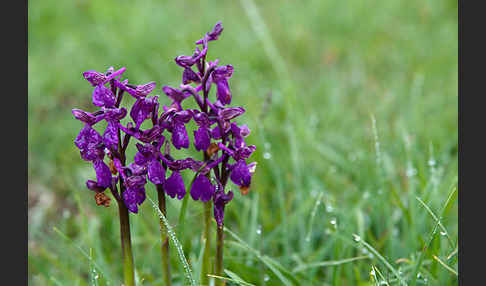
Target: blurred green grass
[312, 77]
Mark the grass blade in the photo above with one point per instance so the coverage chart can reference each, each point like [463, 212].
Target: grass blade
[313, 215]
[234, 278]
[176, 242]
[450, 200]
[437, 220]
[380, 257]
[261, 30]
[328, 263]
[237, 278]
[452, 253]
[381, 276]
[445, 265]
[81, 250]
[265, 259]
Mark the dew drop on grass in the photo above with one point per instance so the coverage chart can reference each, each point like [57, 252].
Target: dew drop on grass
[266, 278]
[431, 162]
[267, 155]
[366, 195]
[329, 208]
[443, 233]
[411, 172]
[259, 230]
[356, 238]
[372, 272]
[333, 221]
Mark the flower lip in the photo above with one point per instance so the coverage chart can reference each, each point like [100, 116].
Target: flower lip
[174, 186]
[202, 188]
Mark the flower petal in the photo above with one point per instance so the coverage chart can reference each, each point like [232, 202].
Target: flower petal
[201, 139]
[180, 139]
[189, 76]
[156, 173]
[133, 197]
[223, 92]
[240, 174]
[103, 96]
[110, 137]
[174, 186]
[202, 188]
[103, 174]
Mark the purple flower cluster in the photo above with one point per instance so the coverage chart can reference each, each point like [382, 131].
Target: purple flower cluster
[218, 136]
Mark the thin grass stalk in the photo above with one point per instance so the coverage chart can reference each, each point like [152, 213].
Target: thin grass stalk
[164, 238]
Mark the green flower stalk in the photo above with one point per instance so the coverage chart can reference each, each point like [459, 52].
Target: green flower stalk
[164, 238]
[206, 263]
[126, 244]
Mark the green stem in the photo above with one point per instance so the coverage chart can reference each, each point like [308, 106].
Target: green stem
[219, 256]
[126, 244]
[206, 263]
[182, 213]
[164, 237]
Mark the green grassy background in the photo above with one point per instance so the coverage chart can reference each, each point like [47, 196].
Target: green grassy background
[353, 109]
